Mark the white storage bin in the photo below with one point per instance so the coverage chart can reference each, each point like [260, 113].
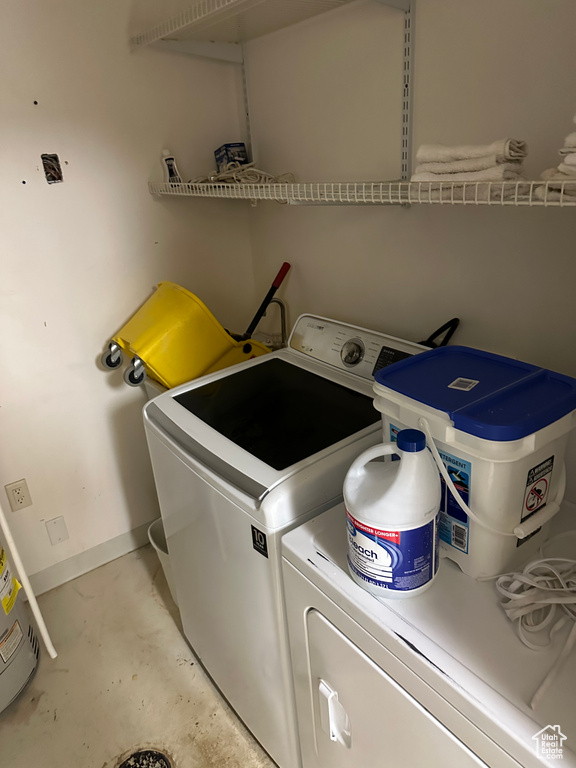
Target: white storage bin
[501, 427]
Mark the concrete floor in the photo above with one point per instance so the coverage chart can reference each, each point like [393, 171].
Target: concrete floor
[124, 679]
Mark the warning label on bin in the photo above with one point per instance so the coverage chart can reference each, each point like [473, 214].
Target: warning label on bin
[537, 487]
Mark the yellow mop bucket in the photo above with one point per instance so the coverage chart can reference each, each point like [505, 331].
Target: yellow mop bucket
[174, 338]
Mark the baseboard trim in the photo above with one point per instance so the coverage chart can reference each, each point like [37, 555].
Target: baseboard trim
[69, 569]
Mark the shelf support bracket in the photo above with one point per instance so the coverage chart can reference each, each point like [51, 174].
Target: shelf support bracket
[407, 92]
[222, 51]
[246, 104]
[407, 76]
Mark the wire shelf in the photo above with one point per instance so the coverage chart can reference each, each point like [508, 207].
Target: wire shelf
[527, 193]
[234, 21]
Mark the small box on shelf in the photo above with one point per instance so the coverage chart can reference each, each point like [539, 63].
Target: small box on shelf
[230, 153]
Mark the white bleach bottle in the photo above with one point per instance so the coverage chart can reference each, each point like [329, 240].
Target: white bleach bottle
[392, 517]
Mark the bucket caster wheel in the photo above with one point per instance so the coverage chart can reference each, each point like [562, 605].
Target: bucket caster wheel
[135, 374]
[112, 358]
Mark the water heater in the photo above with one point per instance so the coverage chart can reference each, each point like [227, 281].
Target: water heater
[19, 647]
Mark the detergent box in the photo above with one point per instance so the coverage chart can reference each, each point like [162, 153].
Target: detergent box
[230, 153]
[500, 427]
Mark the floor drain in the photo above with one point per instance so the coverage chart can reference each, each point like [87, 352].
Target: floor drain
[146, 758]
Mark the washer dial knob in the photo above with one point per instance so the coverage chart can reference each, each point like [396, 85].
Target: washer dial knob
[352, 352]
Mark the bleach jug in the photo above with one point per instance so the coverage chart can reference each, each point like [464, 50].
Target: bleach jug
[392, 512]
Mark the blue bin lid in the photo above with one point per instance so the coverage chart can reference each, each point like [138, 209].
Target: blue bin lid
[487, 395]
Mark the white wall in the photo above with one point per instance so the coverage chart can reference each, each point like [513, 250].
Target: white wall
[79, 257]
[483, 70]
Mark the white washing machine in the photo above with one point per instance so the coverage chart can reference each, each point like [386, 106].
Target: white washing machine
[437, 680]
[239, 457]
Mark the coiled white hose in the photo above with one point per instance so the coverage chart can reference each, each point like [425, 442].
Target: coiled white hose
[542, 599]
[243, 173]
[423, 425]
[521, 531]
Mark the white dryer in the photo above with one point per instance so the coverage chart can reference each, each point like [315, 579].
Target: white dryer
[239, 457]
[439, 680]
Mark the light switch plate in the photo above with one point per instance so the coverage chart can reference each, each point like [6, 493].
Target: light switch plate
[57, 530]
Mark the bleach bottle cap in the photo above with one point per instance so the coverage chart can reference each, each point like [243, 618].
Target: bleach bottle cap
[411, 440]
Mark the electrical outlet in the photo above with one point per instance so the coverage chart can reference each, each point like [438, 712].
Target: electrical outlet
[18, 495]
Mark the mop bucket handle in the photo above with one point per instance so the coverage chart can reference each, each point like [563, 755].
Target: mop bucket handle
[284, 269]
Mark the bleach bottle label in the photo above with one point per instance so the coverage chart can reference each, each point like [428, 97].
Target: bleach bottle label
[390, 559]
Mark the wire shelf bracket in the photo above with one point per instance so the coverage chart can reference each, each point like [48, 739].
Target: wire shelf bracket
[237, 21]
[208, 49]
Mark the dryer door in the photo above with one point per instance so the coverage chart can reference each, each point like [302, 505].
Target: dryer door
[362, 717]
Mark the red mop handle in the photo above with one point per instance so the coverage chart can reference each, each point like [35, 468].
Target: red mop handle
[284, 269]
[275, 285]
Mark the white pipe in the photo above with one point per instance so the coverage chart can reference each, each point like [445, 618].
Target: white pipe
[21, 573]
[520, 531]
[424, 426]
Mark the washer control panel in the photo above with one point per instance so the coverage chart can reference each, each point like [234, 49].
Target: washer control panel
[352, 352]
[348, 347]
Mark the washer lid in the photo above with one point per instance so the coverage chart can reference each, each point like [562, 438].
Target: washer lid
[487, 395]
[265, 420]
[280, 413]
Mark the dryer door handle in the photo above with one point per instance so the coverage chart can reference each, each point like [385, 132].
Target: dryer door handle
[333, 717]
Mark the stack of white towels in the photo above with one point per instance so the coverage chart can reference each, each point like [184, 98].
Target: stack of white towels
[561, 180]
[500, 161]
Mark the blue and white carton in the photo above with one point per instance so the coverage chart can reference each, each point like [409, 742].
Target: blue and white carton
[230, 153]
[501, 428]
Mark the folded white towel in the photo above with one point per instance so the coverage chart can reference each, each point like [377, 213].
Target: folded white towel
[569, 170]
[552, 195]
[459, 166]
[503, 172]
[569, 159]
[557, 181]
[474, 192]
[557, 173]
[570, 141]
[504, 149]
[557, 192]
